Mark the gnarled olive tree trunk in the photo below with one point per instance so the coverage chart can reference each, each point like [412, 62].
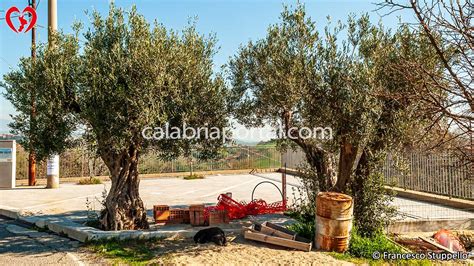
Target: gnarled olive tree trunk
[347, 159]
[323, 164]
[124, 208]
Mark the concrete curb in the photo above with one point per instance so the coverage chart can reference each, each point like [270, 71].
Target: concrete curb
[84, 233]
[9, 212]
[401, 227]
[463, 204]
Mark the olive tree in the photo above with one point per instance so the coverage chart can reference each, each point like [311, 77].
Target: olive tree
[342, 78]
[49, 130]
[129, 75]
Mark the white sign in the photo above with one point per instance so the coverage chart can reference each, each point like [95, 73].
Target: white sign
[52, 167]
[6, 155]
[7, 163]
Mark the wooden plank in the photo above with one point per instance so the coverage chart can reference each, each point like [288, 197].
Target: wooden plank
[248, 234]
[279, 228]
[398, 245]
[272, 232]
[436, 244]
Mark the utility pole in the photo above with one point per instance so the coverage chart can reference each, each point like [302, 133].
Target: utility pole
[52, 167]
[32, 155]
[52, 18]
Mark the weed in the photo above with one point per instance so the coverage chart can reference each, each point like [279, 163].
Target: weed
[364, 247]
[93, 216]
[134, 252]
[305, 230]
[40, 229]
[193, 176]
[89, 181]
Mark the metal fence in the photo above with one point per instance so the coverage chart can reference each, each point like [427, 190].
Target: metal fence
[80, 163]
[442, 174]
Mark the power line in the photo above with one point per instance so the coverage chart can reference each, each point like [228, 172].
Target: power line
[16, 16]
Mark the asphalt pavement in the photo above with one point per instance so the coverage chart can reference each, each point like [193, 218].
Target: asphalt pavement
[20, 245]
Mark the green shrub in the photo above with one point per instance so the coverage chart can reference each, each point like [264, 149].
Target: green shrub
[302, 210]
[364, 247]
[305, 230]
[372, 204]
[193, 176]
[89, 181]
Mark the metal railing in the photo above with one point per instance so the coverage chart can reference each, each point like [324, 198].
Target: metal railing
[79, 163]
[442, 174]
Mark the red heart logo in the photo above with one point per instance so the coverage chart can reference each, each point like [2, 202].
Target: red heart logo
[21, 18]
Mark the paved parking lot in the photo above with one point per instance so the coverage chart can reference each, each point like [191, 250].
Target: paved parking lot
[171, 191]
[23, 246]
[70, 199]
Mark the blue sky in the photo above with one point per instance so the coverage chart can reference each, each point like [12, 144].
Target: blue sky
[233, 21]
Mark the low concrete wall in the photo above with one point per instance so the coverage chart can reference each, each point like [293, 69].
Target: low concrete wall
[467, 205]
[24, 182]
[401, 227]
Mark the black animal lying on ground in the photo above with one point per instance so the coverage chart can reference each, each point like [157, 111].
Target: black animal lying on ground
[213, 234]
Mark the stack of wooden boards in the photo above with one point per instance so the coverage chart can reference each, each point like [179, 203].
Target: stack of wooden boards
[194, 215]
[274, 234]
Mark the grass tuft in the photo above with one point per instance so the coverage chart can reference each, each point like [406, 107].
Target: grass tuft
[136, 252]
[193, 177]
[89, 181]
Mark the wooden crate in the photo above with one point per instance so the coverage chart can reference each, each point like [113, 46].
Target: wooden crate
[218, 217]
[283, 240]
[196, 215]
[161, 213]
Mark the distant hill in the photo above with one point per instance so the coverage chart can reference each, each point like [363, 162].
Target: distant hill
[246, 142]
[8, 136]
[271, 143]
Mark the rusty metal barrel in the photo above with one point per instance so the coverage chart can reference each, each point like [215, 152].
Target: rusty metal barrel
[333, 221]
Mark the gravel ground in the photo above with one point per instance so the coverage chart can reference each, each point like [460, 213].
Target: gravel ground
[238, 252]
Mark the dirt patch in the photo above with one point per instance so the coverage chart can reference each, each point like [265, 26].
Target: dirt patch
[237, 252]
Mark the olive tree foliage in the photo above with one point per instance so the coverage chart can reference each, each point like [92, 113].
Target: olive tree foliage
[131, 75]
[49, 130]
[300, 77]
